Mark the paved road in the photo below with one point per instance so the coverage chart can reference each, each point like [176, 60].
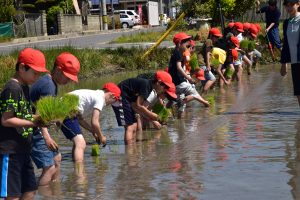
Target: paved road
[97, 41]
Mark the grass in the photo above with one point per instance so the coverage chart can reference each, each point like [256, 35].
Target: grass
[5, 39]
[57, 109]
[149, 36]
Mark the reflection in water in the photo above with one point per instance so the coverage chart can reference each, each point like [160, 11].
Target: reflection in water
[294, 164]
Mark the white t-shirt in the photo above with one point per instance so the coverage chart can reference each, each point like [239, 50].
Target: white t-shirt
[89, 100]
[240, 37]
[152, 98]
[293, 37]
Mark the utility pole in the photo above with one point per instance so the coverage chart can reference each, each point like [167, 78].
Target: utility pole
[104, 15]
[161, 12]
[112, 14]
[218, 3]
[100, 16]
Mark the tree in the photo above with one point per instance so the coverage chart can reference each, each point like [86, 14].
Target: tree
[7, 10]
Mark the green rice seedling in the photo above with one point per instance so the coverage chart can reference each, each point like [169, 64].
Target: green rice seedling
[95, 150]
[214, 62]
[244, 44]
[228, 73]
[57, 109]
[194, 62]
[251, 45]
[162, 112]
[210, 99]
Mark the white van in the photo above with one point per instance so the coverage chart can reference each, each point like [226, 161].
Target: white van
[131, 13]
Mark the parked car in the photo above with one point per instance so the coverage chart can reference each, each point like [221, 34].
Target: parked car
[126, 21]
[131, 13]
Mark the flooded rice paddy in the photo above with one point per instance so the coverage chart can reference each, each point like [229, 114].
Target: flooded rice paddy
[245, 147]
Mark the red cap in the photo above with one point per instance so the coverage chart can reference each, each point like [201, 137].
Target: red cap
[246, 26]
[34, 59]
[258, 27]
[69, 65]
[239, 26]
[164, 77]
[200, 75]
[192, 42]
[178, 37]
[235, 41]
[113, 88]
[230, 25]
[172, 91]
[235, 54]
[215, 32]
[253, 30]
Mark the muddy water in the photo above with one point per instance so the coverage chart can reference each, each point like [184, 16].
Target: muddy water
[246, 146]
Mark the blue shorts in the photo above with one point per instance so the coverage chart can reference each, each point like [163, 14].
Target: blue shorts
[17, 175]
[274, 38]
[40, 154]
[124, 113]
[209, 76]
[71, 128]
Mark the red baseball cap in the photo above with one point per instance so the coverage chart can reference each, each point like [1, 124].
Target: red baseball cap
[200, 75]
[178, 37]
[113, 88]
[235, 54]
[246, 26]
[239, 26]
[253, 30]
[69, 65]
[235, 41]
[34, 59]
[172, 91]
[215, 32]
[230, 25]
[164, 77]
[258, 27]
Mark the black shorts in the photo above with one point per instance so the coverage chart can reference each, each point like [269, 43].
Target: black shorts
[17, 175]
[124, 113]
[296, 78]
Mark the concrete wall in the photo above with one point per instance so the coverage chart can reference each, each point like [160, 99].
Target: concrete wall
[93, 23]
[72, 23]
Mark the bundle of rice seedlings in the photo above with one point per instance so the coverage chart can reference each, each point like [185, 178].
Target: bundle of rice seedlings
[244, 44]
[52, 109]
[251, 45]
[162, 112]
[210, 99]
[214, 62]
[194, 62]
[95, 150]
[228, 73]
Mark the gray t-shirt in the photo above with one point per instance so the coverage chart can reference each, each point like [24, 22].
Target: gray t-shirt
[293, 37]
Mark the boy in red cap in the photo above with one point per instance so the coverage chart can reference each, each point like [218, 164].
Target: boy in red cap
[16, 127]
[44, 149]
[91, 103]
[183, 82]
[136, 91]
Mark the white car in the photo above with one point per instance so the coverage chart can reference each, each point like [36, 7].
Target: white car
[126, 21]
[132, 14]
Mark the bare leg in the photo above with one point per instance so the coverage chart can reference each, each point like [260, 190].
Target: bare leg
[207, 86]
[78, 148]
[28, 195]
[130, 133]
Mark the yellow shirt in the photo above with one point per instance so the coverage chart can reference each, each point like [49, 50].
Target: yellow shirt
[219, 54]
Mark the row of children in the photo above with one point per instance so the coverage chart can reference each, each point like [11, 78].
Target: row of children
[23, 137]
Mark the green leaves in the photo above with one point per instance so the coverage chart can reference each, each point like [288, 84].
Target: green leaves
[162, 112]
[7, 10]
